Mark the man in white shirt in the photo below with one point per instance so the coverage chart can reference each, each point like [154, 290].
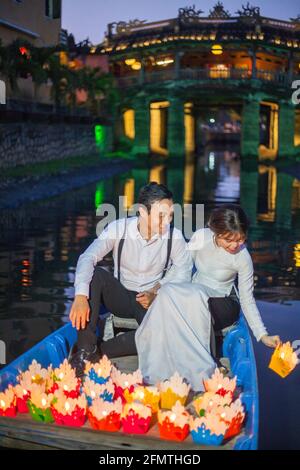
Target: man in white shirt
[147, 253]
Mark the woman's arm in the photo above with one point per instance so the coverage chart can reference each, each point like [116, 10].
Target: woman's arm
[248, 303]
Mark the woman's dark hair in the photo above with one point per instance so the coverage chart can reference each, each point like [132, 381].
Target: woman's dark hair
[152, 193]
[228, 218]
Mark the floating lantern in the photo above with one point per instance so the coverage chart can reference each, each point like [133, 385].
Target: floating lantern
[64, 370]
[64, 377]
[136, 418]
[174, 424]
[105, 416]
[39, 405]
[8, 403]
[283, 360]
[23, 393]
[208, 430]
[172, 390]
[148, 395]
[233, 415]
[94, 390]
[125, 382]
[100, 371]
[35, 373]
[69, 411]
[210, 400]
[220, 384]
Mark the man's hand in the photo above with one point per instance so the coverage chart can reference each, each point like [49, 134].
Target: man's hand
[80, 312]
[145, 298]
[270, 341]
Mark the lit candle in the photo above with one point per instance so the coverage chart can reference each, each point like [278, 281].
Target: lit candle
[174, 424]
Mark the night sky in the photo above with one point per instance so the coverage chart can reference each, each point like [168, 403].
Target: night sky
[89, 18]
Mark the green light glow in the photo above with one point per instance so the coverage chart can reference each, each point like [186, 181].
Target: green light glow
[99, 135]
[99, 194]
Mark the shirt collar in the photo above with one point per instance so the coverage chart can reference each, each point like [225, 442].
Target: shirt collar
[133, 232]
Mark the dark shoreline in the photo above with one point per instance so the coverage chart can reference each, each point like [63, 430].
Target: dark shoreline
[35, 188]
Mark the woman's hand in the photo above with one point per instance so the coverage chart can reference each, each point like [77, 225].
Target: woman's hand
[270, 341]
[80, 312]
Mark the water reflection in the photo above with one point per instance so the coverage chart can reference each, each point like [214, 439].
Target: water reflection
[41, 242]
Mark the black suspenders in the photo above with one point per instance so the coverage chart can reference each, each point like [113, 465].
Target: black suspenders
[120, 248]
[169, 248]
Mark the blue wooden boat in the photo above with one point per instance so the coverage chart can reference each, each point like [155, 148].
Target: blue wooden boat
[22, 432]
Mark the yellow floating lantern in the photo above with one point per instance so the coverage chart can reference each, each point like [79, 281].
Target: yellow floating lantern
[283, 360]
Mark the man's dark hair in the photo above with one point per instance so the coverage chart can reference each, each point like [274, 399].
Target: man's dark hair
[152, 193]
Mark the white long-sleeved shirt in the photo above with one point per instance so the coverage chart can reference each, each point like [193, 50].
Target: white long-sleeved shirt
[142, 261]
[217, 270]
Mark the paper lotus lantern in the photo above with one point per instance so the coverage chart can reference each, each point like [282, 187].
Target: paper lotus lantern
[39, 404]
[35, 373]
[283, 360]
[208, 430]
[174, 425]
[100, 371]
[209, 401]
[95, 390]
[220, 384]
[105, 416]
[69, 411]
[136, 418]
[173, 390]
[8, 403]
[125, 382]
[233, 415]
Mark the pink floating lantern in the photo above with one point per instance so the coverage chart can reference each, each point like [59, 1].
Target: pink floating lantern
[136, 418]
[69, 411]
